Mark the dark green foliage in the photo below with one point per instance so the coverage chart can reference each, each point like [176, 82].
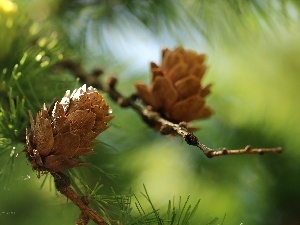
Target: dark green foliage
[26, 75]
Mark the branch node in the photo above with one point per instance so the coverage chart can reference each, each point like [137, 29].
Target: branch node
[191, 139]
[260, 151]
[209, 154]
[97, 72]
[61, 180]
[123, 102]
[248, 148]
[134, 96]
[183, 124]
[224, 151]
[112, 82]
[166, 129]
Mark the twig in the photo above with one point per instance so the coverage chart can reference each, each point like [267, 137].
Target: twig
[153, 118]
[83, 219]
[62, 183]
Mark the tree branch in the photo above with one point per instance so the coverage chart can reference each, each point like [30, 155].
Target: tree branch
[62, 183]
[153, 118]
[167, 127]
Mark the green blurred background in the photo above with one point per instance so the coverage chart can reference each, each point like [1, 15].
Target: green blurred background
[253, 50]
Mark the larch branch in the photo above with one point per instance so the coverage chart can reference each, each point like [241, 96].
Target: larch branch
[153, 118]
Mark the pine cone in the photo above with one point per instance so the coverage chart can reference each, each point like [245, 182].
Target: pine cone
[176, 91]
[59, 136]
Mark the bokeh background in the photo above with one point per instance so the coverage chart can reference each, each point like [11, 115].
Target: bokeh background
[253, 50]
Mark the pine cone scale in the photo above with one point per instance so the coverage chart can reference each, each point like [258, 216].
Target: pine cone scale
[81, 119]
[43, 136]
[64, 142]
[187, 86]
[58, 163]
[163, 92]
[146, 94]
[177, 72]
[189, 108]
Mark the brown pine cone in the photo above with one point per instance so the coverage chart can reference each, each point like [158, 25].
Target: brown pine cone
[57, 138]
[176, 91]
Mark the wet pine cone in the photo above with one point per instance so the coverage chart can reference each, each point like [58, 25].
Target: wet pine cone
[58, 137]
[176, 91]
